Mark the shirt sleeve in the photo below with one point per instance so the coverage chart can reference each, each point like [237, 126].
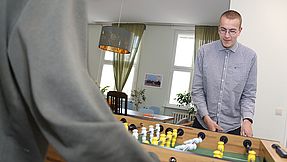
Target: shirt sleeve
[48, 57]
[198, 95]
[249, 92]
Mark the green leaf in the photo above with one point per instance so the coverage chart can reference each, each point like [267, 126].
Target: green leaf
[184, 99]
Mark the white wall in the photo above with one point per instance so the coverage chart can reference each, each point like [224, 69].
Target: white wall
[264, 30]
[156, 57]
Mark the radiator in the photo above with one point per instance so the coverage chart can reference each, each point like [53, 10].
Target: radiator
[178, 116]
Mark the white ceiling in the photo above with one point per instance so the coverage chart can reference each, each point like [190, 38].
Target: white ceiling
[199, 12]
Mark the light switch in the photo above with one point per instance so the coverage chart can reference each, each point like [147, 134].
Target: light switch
[278, 112]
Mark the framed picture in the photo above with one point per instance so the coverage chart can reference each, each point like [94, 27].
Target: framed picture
[153, 80]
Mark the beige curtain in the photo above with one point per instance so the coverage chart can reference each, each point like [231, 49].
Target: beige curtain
[203, 35]
[122, 63]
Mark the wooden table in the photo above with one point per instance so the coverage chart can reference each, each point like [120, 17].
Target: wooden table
[155, 117]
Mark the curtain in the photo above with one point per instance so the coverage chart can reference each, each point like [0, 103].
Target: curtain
[203, 35]
[122, 63]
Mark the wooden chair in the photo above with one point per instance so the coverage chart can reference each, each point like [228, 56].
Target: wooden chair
[118, 102]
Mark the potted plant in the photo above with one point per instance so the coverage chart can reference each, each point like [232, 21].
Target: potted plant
[184, 99]
[138, 97]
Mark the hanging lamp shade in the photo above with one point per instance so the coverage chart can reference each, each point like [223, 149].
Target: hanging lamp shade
[116, 39]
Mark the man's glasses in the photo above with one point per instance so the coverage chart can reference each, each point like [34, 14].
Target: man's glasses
[231, 32]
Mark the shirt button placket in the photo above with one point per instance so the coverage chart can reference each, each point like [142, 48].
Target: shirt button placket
[222, 86]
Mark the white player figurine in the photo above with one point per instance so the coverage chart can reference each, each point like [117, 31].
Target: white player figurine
[157, 128]
[194, 140]
[143, 133]
[189, 144]
[135, 134]
[151, 131]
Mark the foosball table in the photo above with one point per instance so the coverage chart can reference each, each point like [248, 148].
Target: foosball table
[176, 143]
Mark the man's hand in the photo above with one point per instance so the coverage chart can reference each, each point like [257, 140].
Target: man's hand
[211, 125]
[246, 128]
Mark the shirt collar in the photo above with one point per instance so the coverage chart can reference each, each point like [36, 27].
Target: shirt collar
[233, 48]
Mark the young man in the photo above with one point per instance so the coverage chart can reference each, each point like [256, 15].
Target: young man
[46, 93]
[224, 85]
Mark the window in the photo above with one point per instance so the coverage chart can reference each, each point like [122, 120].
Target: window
[107, 77]
[183, 63]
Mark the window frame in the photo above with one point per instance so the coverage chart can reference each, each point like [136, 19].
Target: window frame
[179, 68]
[103, 62]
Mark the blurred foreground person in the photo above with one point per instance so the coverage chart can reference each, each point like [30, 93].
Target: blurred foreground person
[46, 93]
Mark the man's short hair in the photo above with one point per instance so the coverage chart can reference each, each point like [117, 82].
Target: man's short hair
[232, 14]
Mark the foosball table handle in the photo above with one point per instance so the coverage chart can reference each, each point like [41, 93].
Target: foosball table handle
[223, 139]
[123, 120]
[201, 135]
[279, 150]
[180, 132]
[247, 144]
[172, 159]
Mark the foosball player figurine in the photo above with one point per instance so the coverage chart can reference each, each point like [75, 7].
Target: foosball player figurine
[143, 134]
[130, 127]
[220, 149]
[217, 154]
[123, 120]
[135, 134]
[162, 139]
[146, 142]
[168, 138]
[151, 132]
[220, 146]
[192, 143]
[173, 141]
[174, 137]
[251, 156]
[154, 141]
[174, 133]
[199, 139]
[222, 141]
[157, 128]
[126, 126]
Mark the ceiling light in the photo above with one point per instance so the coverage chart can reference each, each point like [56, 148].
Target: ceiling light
[116, 39]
